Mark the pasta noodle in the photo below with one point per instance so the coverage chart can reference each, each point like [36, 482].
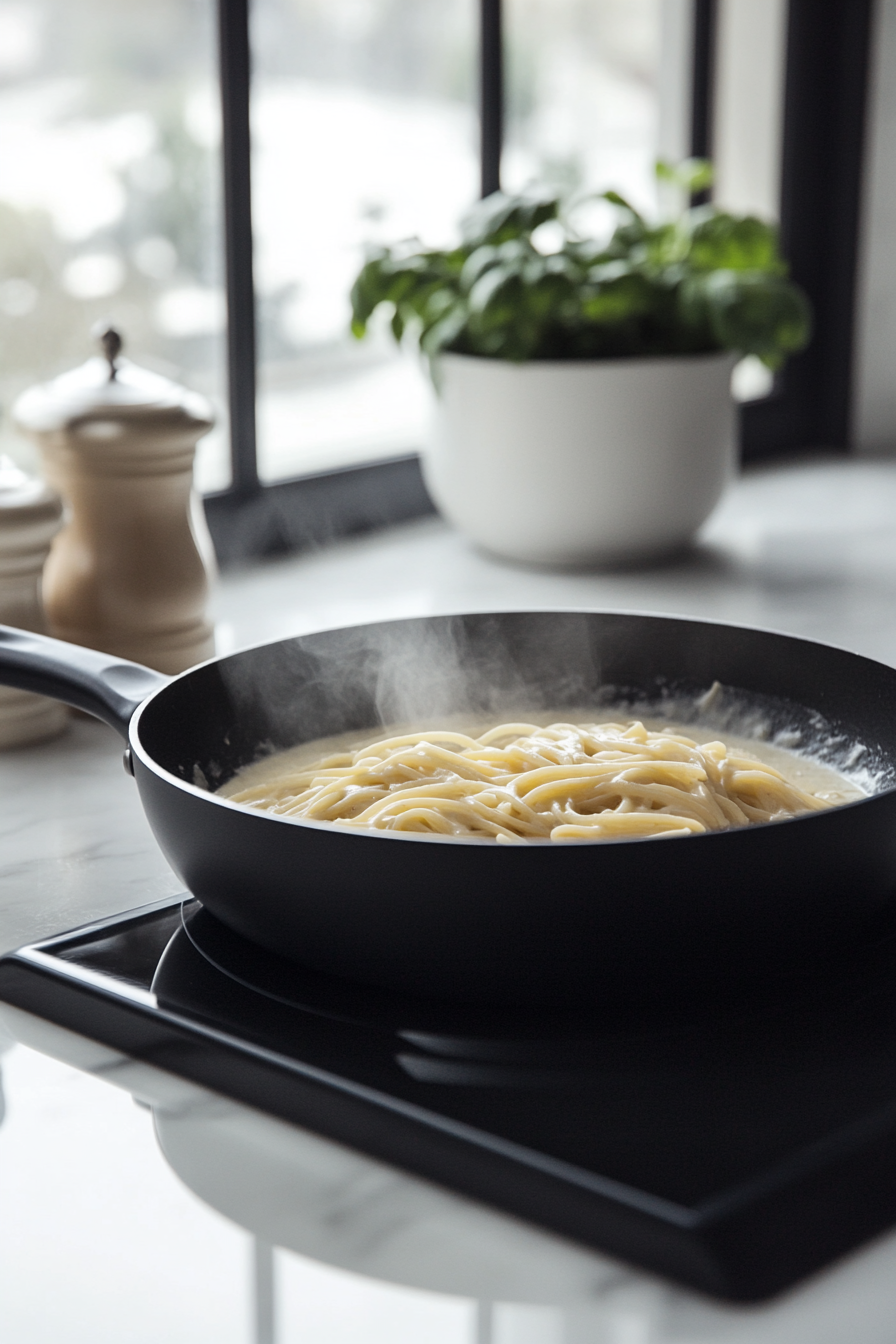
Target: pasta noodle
[519, 782]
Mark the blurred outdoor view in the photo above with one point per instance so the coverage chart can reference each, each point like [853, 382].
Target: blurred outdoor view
[109, 192]
[365, 130]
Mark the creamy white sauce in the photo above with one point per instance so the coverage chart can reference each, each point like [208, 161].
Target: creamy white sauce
[806, 773]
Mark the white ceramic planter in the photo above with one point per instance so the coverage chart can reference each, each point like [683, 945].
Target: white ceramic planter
[581, 462]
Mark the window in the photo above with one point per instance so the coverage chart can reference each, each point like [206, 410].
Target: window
[364, 129]
[583, 95]
[822, 47]
[373, 119]
[109, 194]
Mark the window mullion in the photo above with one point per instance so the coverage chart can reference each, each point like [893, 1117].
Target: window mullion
[491, 94]
[233, 43]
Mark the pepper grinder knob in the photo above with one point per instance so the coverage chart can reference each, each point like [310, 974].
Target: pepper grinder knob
[112, 345]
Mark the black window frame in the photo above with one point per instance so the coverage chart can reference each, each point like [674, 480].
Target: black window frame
[809, 408]
[822, 161]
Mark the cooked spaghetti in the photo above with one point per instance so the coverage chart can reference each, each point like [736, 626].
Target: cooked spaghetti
[519, 782]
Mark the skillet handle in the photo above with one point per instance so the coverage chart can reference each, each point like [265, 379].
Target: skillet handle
[110, 688]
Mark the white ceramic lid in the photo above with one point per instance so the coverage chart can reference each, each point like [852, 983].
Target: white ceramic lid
[109, 387]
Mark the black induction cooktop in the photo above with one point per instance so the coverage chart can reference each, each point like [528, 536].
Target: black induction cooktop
[734, 1146]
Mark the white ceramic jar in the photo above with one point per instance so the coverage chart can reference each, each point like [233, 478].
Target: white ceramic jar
[30, 517]
[581, 461]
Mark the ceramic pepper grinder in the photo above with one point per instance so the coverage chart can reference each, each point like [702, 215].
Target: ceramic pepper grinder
[30, 516]
[128, 574]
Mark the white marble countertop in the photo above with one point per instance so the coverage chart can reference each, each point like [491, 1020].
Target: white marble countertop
[808, 549]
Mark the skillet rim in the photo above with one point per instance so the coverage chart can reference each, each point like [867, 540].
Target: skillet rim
[149, 762]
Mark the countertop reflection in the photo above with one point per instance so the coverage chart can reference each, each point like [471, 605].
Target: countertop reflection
[190, 1217]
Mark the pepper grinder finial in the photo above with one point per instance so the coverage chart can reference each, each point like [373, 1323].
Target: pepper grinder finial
[111, 341]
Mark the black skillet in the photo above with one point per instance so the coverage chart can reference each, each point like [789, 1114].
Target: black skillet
[469, 920]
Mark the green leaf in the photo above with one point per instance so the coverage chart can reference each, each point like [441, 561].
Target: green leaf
[502, 318]
[476, 264]
[368, 290]
[435, 303]
[627, 242]
[691, 175]
[615, 199]
[488, 298]
[764, 315]
[605, 271]
[620, 298]
[551, 296]
[499, 218]
[724, 242]
[667, 245]
[443, 334]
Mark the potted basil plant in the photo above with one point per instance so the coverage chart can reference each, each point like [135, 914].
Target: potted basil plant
[583, 410]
